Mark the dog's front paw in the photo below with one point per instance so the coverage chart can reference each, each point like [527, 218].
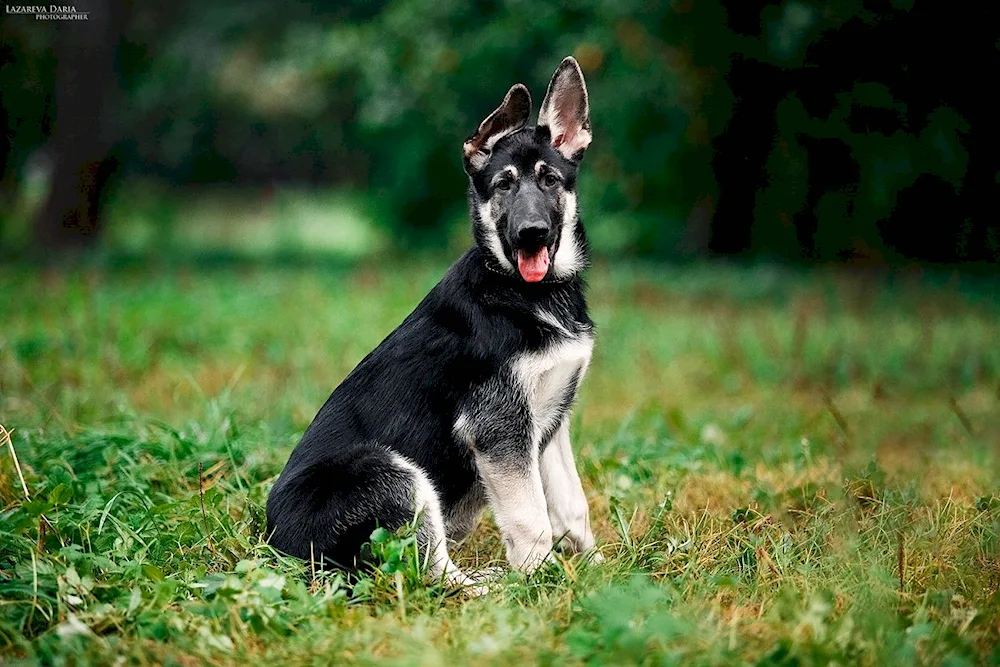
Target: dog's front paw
[529, 551]
[585, 547]
[575, 541]
[531, 560]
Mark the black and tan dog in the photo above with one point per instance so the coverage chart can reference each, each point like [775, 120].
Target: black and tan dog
[467, 402]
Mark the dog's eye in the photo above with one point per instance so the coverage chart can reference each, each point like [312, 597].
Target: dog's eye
[504, 184]
[550, 180]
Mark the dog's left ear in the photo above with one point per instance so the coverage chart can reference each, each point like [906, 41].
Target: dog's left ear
[509, 117]
[566, 110]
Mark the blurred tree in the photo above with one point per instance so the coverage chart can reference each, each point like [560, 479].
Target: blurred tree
[27, 72]
[85, 107]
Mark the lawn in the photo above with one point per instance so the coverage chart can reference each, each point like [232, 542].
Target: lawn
[782, 467]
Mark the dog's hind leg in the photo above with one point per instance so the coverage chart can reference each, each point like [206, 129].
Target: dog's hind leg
[328, 510]
[431, 537]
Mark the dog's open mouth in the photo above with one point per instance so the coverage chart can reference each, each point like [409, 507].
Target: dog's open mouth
[533, 265]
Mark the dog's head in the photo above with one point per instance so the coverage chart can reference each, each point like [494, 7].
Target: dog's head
[523, 179]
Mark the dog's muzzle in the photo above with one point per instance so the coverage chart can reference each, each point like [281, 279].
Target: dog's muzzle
[531, 243]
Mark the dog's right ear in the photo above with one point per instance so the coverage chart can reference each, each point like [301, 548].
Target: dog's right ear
[509, 117]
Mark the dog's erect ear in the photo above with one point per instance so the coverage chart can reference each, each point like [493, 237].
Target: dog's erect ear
[566, 110]
[509, 117]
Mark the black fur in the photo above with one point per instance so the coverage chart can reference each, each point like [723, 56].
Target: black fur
[405, 396]
[451, 356]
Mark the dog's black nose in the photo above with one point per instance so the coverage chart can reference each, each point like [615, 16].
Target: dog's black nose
[532, 234]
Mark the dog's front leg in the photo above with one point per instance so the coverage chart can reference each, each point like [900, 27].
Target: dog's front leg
[513, 485]
[564, 496]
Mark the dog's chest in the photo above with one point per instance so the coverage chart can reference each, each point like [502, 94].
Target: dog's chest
[550, 378]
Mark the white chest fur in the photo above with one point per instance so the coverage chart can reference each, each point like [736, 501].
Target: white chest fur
[545, 377]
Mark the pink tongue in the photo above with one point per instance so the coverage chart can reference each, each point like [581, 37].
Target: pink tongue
[533, 267]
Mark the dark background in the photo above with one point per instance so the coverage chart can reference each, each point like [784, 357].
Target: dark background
[812, 132]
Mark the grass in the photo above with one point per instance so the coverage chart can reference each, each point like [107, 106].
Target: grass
[782, 468]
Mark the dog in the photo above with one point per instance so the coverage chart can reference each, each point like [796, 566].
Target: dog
[467, 403]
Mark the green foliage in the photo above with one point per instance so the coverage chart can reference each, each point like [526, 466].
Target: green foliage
[378, 98]
[888, 163]
[406, 86]
[383, 98]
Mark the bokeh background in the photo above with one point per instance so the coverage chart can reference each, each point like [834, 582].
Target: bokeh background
[801, 131]
[789, 434]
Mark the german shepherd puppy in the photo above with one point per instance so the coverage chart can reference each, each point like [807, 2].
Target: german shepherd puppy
[467, 403]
